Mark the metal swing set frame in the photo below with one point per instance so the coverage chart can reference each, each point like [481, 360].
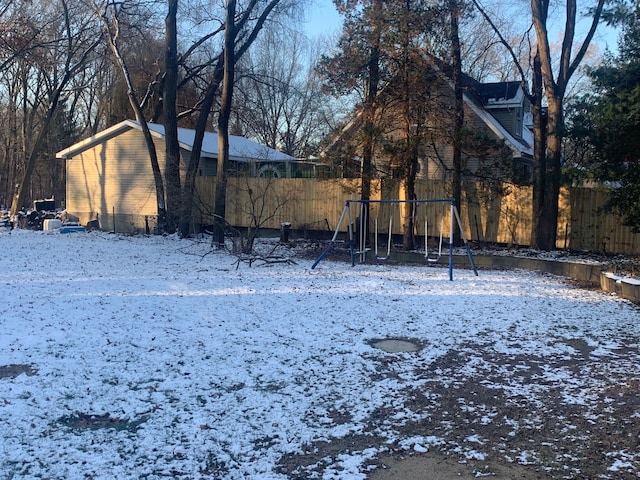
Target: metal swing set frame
[454, 218]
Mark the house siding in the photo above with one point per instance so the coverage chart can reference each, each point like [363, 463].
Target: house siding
[113, 182]
[437, 153]
[484, 153]
[511, 120]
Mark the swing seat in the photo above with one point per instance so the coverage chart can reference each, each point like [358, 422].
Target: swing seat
[427, 258]
[381, 258]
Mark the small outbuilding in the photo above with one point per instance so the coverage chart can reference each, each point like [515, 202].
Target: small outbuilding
[109, 176]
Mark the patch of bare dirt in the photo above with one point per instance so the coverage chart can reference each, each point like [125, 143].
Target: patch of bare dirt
[14, 370]
[439, 466]
[522, 416]
[94, 421]
[514, 417]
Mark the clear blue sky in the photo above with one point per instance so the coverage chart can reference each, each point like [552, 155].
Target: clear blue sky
[322, 18]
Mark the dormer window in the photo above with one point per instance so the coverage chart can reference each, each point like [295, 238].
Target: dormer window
[507, 104]
[519, 123]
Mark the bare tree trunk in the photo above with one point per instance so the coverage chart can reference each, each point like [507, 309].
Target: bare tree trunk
[369, 114]
[369, 126]
[409, 181]
[112, 38]
[539, 153]
[223, 124]
[549, 219]
[170, 85]
[188, 190]
[412, 133]
[458, 122]
[555, 88]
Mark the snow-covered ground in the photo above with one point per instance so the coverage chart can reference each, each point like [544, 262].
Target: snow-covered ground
[151, 357]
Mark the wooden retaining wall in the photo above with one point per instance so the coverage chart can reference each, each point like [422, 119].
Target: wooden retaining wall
[314, 204]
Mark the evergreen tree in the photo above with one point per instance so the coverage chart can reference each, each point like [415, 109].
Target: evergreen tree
[358, 65]
[610, 120]
[382, 47]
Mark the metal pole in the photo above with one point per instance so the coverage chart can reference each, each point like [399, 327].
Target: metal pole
[451, 214]
[333, 239]
[364, 223]
[351, 242]
[466, 243]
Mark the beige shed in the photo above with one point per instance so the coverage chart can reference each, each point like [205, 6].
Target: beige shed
[109, 175]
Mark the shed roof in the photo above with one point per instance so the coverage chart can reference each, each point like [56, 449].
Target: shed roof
[240, 148]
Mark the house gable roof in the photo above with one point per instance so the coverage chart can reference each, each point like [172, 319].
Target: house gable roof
[483, 97]
[478, 97]
[241, 149]
[519, 148]
[500, 94]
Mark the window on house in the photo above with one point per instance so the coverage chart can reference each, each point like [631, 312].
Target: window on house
[519, 122]
[208, 167]
[522, 172]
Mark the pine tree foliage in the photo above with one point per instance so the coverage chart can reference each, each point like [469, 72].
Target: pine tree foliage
[609, 122]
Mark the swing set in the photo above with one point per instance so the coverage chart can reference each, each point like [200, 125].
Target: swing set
[380, 253]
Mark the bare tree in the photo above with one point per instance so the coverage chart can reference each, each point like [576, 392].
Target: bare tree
[454, 10]
[170, 87]
[228, 79]
[110, 14]
[555, 85]
[552, 85]
[74, 43]
[246, 26]
[535, 93]
[280, 98]
[483, 55]
[260, 201]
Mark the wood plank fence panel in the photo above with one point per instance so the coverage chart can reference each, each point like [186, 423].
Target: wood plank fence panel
[488, 215]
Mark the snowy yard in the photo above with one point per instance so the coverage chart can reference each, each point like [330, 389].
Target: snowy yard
[132, 357]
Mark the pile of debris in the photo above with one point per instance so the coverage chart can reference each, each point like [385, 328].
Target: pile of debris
[36, 217]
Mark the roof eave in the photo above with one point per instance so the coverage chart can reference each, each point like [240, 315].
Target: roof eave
[515, 146]
[90, 142]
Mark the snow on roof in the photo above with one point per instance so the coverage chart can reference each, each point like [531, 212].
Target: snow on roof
[517, 146]
[500, 94]
[240, 148]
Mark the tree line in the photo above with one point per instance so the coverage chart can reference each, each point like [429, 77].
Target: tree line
[70, 68]
[381, 39]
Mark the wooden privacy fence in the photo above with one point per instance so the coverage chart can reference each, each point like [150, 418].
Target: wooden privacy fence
[487, 216]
